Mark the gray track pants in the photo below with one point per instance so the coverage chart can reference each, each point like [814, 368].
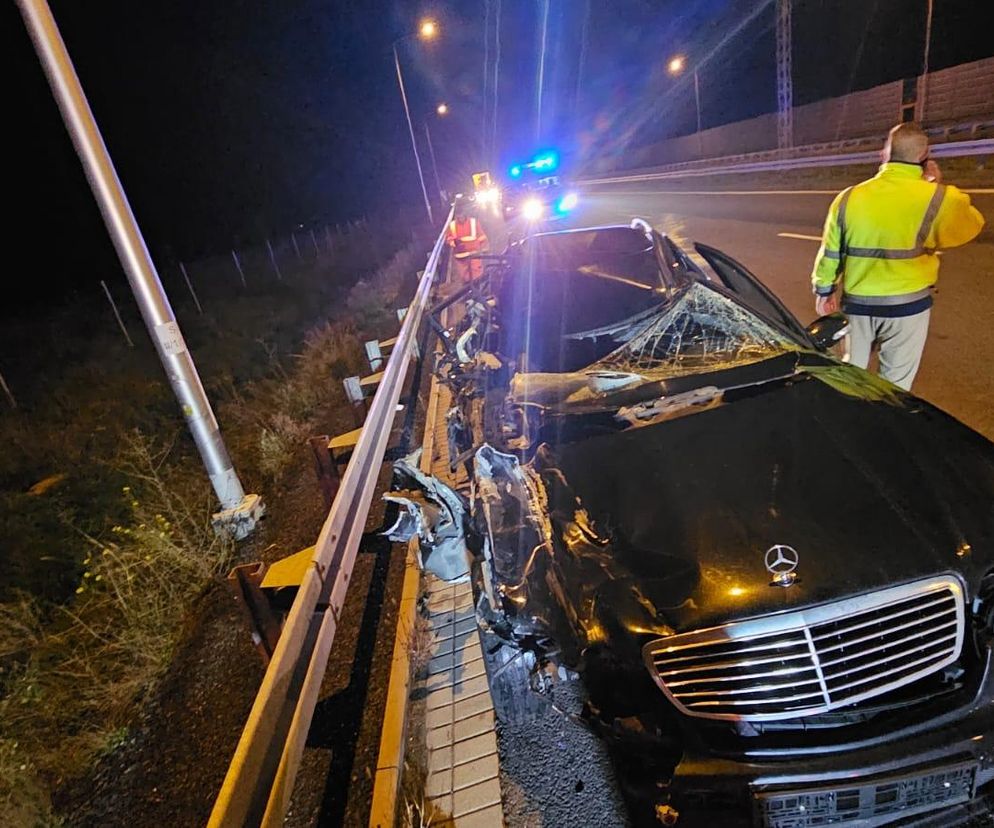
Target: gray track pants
[901, 342]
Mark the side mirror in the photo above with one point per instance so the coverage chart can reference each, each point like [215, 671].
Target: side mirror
[825, 331]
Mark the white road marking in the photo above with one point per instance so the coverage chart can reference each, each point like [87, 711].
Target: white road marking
[983, 191]
[726, 192]
[806, 237]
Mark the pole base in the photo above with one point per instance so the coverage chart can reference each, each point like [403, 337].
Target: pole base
[239, 521]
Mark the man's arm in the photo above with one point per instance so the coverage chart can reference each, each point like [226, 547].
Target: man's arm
[958, 220]
[828, 265]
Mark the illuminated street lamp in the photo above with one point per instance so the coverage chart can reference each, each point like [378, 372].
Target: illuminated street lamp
[428, 30]
[442, 109]
[675, 66]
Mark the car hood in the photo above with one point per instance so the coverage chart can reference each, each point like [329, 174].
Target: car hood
[870, 489]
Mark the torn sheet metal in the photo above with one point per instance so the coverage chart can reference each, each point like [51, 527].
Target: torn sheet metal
[468, 341]
[551, 564]
[665, 408]
[552, 389]
[435, 514]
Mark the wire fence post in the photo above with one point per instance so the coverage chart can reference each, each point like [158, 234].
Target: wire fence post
[117, 315]
[7, 391]
[189, 286]
[272, 259]
[238, 264]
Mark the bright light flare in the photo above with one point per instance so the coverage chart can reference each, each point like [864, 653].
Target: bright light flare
[428, 29]
[515, 171]
[567, 202]
[676, 65]
[442, 109]
[489, 196]
[545, 161]
[532, 209]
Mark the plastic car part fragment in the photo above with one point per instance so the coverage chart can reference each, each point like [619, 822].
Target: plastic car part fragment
[435, 514]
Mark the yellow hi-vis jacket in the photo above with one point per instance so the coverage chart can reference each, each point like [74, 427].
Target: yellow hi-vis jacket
[880, 240]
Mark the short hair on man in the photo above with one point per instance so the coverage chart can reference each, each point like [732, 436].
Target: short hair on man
[907, 142]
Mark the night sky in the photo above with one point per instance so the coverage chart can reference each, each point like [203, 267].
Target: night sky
[231, 120]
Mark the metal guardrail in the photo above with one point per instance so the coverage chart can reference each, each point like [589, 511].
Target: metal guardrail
[257, 787]
[720, 166]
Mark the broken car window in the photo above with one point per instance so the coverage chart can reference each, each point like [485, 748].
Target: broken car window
[570, 289]
[701, 331]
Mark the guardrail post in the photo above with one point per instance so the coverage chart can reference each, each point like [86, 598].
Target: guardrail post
[244, 581]
[374, 355]
[325, 468]
[354, 394]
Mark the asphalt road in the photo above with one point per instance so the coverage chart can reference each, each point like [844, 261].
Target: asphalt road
[775, 234]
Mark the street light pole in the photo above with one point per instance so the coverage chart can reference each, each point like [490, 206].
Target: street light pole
[675, 66]
[434, 164]
[410, 128]
[928, 47]
[697, 98]
[240, 511]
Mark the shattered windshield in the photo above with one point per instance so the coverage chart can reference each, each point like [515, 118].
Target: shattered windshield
[702, 331]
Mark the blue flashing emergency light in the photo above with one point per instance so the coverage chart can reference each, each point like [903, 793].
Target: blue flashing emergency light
[567, 203]
[515, 171]
[545, 161]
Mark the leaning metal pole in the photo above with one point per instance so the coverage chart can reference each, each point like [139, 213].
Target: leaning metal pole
[240, 512]
[410, 128]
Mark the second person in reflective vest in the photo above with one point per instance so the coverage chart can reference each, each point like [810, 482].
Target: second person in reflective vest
[465, 236]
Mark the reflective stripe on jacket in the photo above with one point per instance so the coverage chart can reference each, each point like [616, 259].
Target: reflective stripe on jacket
[881, 235]
[464, 231]
[465, 237]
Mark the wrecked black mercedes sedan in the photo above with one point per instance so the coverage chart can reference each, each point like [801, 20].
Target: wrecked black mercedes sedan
[773, 571]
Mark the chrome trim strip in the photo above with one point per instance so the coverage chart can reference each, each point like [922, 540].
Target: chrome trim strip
[762, 688]
[862, 668]
[759, 648]
[848, 658]
[788, 671]
[898, 628]
[816, 661]
[720, 665]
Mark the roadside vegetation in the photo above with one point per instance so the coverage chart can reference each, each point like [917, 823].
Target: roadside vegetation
[105, 538]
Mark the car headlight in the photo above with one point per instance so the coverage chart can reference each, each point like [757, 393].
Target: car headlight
[532, 209]
[567, 202]
[490, 196]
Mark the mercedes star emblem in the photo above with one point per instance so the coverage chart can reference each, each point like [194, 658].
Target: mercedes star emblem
[781, 561]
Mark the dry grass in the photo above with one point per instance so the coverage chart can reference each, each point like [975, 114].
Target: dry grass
[71, 680]
[372, 302]
[73, 674]
[420, 640]
[418, 811]
[272, 417]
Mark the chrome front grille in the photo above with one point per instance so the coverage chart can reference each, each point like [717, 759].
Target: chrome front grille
[813, 660]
